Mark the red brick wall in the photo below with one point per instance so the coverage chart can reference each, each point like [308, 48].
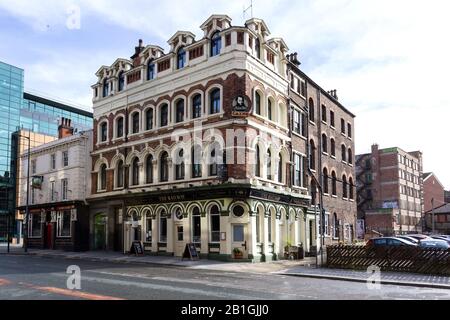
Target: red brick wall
[432, 189]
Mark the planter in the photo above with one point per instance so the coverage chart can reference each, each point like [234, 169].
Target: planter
[238, 256]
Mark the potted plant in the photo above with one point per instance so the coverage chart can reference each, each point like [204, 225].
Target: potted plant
[237, 253]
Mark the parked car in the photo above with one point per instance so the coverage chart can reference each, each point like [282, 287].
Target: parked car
[434, 243]
[410, 239]
[389, 241]
[418, 236]
[441, 238]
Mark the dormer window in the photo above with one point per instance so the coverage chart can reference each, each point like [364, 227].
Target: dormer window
[121, 81]
[216, 44]
[105, 88]
[150, 71]
[181, 58]
[258, 48]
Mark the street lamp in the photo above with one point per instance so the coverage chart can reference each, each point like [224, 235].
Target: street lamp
[27, 210]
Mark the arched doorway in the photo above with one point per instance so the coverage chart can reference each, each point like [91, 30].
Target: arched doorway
[133, 229]
[100, 231]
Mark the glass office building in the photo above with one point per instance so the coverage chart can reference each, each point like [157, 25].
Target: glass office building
[31, 112]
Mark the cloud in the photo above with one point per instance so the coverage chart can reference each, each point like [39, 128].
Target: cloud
[388, 59]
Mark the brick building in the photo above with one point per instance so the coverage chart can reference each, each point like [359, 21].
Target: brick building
[433, 192]
[441, 221]
[323, 129]
[59, 183]
[390, 190]
[195, 146]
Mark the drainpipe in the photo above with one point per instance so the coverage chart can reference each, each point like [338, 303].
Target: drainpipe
[125, 175]
[319, 168]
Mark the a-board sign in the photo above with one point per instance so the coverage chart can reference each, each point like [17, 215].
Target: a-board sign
[190, 252]
[137, 248]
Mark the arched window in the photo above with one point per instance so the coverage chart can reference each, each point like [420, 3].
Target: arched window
[105, 88]
[258, 48]
[179, 110]
[196, 225]
[269, 109]
[135, 172]
[214, 101]
[181, 58]
[214, 160]
[119, 127]
[343, 153]
[311, 110]
[119, 174]
[257, 162]
[324, 143]
[336, 225]
[164, 115]
[280, 169]
[102, 177]
[162, 226]
[149, 119]
[150, 71]
[333, 183]
[350, 156]
[196, 161]
[257, 103]
[312, 155]
[121, 81]
[104, 131]
[325, 180]
[164, 167]
[179, 167]
[269, 164]
[324, 113]
[333, 147]
[216, 44]
[135, 122]
[344, 187]
[350, 189]
[196, 106]
[149, 169]
[214, 214]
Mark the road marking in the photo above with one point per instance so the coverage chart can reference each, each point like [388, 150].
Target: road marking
[71, 293]
[4, 282]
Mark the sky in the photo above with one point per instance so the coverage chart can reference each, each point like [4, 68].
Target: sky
[388, 59]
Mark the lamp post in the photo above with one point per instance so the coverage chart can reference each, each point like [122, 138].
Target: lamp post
[432, 216]
[27, 210]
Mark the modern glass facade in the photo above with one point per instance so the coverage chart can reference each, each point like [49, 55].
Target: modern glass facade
[31, 112]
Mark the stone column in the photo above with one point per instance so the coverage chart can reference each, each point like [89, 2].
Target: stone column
[204, 232]
[170, 232]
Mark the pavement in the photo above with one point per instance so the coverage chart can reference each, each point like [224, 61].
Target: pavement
[392, 278]
[33, 277]
[297, 268]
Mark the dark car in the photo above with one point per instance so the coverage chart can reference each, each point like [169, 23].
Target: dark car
[441, 238]
[434, 243]
[418, 236]
[389, 241]
[410, 239]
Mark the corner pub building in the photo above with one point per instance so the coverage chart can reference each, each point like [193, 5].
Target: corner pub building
[194, 146]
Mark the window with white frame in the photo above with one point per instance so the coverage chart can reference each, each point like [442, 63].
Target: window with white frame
[298, 172]
[64, 189]
[215, 223]
[53, 161]
[63, 223]
[52, 191]
[34, 228]
[33, 166]
[65, 158]
[327, 224]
